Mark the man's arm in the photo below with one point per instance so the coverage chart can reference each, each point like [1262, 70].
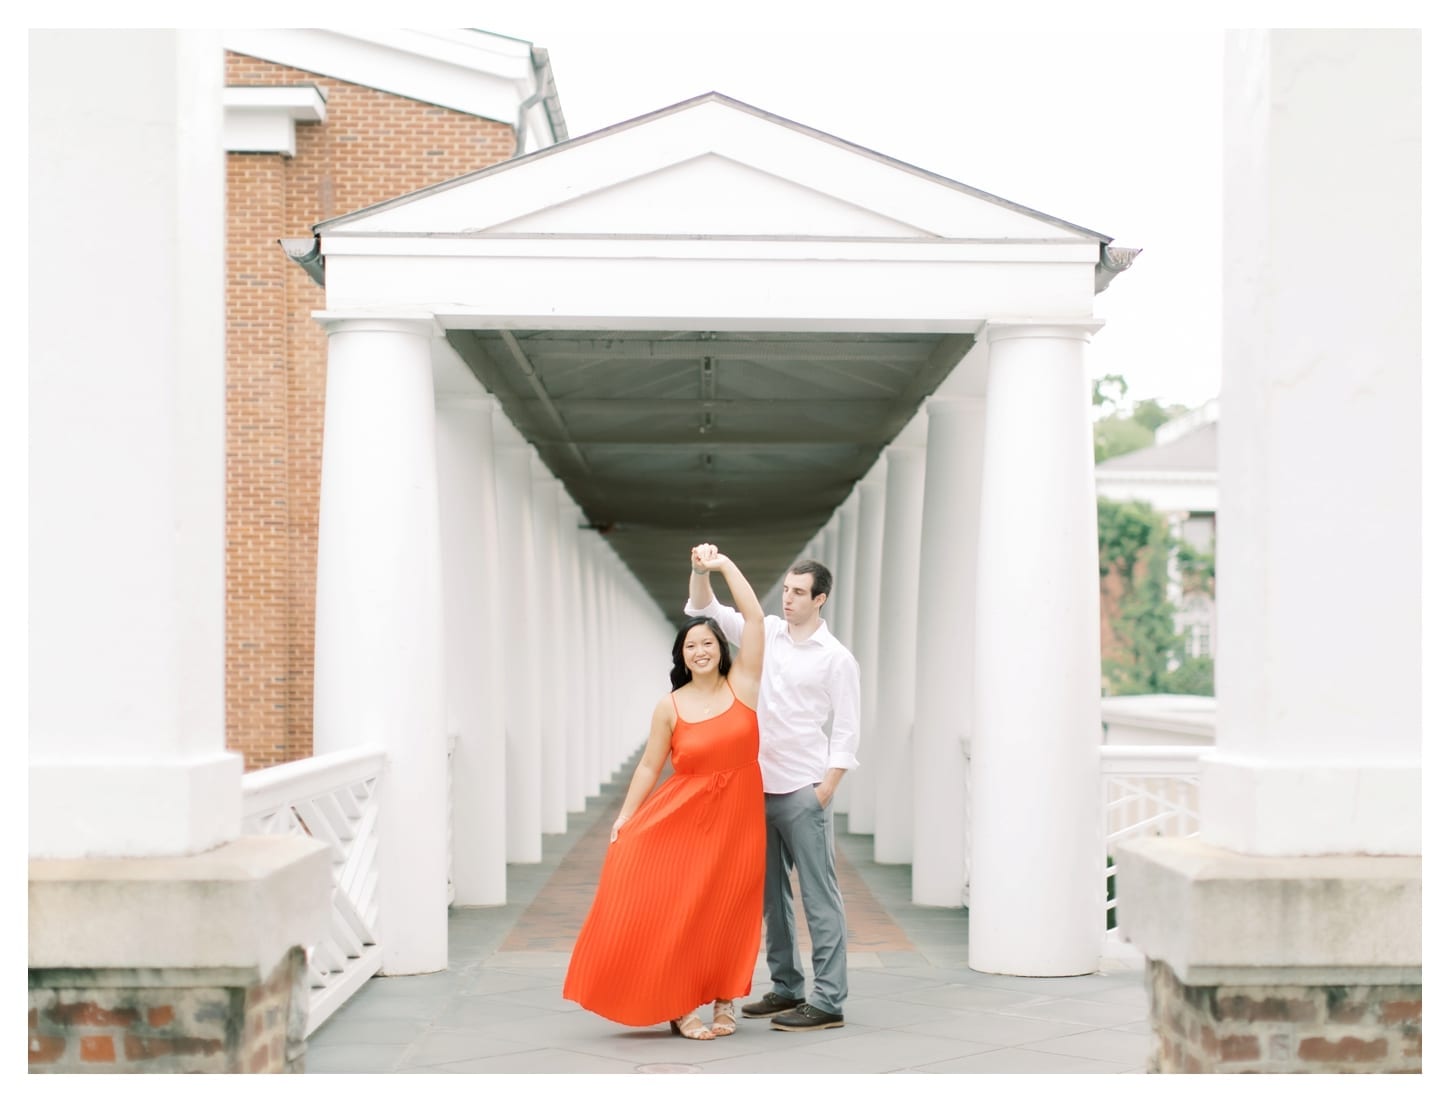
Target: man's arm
[702, 593]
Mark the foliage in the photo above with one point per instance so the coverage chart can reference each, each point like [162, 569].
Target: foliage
[1134, 547]
[1110, 390]
[1124, 426]
[1197, 570]
[1118, 436]
[1193, 677]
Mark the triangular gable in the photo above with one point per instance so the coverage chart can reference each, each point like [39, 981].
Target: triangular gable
[710, 166]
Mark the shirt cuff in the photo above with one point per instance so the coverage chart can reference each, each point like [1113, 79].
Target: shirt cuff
[840, 759]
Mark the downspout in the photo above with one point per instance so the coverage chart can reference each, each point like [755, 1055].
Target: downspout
[307, 251]
[537, 97]
[545, 93]
[1111, 261]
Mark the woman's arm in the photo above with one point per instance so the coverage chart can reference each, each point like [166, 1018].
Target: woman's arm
[745, 672]
[650, 763]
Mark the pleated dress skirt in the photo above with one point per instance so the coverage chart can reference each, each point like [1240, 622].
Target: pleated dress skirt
[676, 918]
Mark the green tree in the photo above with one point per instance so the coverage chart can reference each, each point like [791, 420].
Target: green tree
[1134, 546]
[1122, 426]
[1118, 436]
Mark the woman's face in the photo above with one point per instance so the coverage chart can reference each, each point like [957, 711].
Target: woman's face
[701, 650]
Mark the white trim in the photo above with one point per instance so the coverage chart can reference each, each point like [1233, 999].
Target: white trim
[719, 131]
[666, 246]
[477, 73]
[264, 120]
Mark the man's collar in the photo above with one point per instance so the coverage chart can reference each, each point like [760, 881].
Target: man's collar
[819, 636]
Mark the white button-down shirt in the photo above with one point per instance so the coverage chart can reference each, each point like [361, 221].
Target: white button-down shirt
[810, 701]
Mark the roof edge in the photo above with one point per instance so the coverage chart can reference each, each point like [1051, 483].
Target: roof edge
[738, 105]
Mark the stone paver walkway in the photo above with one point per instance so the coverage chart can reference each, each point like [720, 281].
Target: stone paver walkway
[914, 1005]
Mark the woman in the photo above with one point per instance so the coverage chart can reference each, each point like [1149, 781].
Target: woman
[676, 918]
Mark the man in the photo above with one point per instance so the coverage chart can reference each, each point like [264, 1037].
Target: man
[809, 714]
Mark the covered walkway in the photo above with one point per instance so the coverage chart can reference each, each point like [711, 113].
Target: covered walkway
[914, 1006]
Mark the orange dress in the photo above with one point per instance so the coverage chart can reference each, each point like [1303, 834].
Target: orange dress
[676, 918]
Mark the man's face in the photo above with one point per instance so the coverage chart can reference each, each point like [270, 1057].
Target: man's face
[797, 603]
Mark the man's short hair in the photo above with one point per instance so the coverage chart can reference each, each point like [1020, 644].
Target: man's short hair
[820, 576]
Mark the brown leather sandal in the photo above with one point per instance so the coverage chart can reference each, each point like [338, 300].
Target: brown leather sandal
[724, 1017]
[690, 1026]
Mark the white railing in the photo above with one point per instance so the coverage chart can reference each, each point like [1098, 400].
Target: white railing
[332, 798]
[1147, 790]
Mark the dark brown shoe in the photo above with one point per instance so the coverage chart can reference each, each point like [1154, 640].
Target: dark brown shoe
[770, 1006]
[807, 1017]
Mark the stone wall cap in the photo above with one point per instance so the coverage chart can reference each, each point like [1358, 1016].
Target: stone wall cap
[1198, 860]
[251, 857]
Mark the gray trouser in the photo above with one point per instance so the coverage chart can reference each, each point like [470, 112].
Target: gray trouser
[799, 834]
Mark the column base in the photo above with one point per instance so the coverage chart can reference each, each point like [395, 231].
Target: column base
[1264, 964]
[190, 964]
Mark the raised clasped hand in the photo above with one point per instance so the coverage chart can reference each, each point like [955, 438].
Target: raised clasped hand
[705, 555]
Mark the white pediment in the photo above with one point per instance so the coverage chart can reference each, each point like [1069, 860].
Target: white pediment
[715, 196]
[710, 167]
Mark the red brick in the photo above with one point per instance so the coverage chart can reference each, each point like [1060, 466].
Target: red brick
[1395, 1012]
[99, 1049]
[1350, 1013]
[45, 1049]
[1243, 1008]
[159, 1016]
[89, 1013]
[373, 146]
[1240, 1047]
[149, 1048]
[1348, 1050]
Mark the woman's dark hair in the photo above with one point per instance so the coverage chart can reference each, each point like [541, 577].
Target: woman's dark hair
[679, 675]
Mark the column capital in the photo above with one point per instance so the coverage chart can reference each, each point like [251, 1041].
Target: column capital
[506, 433]
[484, 403]
[998, 329]
[420, 322]
[943, 403]
[912, 436]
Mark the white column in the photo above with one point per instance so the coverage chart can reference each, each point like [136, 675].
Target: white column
[379, 645]
[574, 624]
[473, 641]
[1037, 850]
[523, 754]
[544, 608]
[845, 590]
[945, 649]
[1319, 609]
[841, 608]
[127, 449]
[867, 627]
[830, 539]
[900, 569]
[596, 747]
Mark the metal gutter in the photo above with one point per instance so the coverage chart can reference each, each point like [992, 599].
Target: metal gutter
[306, 251]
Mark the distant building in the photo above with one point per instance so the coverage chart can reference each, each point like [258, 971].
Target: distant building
[321, 123]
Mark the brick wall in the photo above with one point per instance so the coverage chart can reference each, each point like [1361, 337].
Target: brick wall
[1283, 1028]
[373, 146]
[111, 1021]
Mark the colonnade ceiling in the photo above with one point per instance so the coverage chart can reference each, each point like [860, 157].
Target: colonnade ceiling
[750, 440]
